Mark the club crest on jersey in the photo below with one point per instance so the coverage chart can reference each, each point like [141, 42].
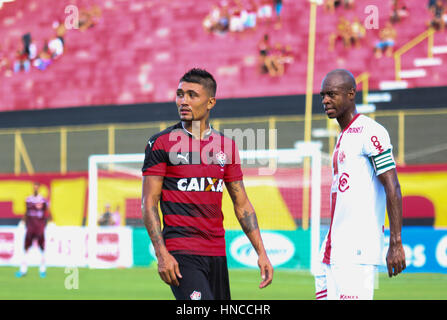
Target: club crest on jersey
[196, 295]
[343, 182]
[221, 157]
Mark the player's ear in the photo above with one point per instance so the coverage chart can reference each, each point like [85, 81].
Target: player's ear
[351, 94]
[211, 103]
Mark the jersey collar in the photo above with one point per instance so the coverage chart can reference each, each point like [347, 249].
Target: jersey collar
[351, 122]
[205, 135]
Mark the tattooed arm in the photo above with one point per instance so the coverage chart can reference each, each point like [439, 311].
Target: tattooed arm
[168, 268]
[246, 215]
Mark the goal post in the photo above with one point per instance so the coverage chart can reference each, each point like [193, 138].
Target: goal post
[262, 163]
[94, 161]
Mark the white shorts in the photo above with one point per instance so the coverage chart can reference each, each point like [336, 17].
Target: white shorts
[345, 282]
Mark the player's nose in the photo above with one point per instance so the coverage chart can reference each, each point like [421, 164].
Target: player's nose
[325, 99]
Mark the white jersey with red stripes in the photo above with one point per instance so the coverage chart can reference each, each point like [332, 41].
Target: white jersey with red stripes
[358, 198]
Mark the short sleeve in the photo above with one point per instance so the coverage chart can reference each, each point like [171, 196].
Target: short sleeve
[155, 158]
[233, 171]
[378, 148]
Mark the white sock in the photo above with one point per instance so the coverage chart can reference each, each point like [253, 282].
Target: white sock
[42, 267]
[24, 265]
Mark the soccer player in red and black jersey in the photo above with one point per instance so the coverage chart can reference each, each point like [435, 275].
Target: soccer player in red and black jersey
[35, 219]
[184, 171]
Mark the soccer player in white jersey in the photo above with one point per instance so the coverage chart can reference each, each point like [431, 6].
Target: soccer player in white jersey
[364, 184]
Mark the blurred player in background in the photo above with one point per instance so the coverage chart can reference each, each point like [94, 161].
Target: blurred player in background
[35, 220]
[364, 184]
[184, 170]
[107, 218]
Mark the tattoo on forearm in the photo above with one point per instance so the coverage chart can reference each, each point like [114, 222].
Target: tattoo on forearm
[234, 188]
[153, 226]
[248, 222]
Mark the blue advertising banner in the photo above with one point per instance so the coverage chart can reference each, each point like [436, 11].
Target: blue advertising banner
[425, 249]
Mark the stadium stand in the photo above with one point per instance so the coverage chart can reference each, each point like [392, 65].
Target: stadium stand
[149, 45]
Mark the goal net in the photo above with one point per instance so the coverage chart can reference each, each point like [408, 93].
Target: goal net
[276, 183]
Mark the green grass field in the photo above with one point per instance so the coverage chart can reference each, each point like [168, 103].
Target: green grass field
[144, 283]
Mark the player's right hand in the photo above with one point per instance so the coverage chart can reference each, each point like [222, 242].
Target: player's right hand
[169, 270]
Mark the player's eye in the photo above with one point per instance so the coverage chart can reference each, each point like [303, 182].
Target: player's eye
[180, 94]
[331, 94]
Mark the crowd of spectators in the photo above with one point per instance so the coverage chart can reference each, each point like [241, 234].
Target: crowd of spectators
[352, 33]
[28, 55]
[237, 16]
[331, 5]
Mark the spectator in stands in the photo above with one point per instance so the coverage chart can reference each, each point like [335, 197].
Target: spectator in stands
[60, 30]
[348, 4]
[387, 40]
[250, 21]
[44, 58]
[343, 32]
[29, 48]
[278, 8]
[88, 18]
[358, 32]
[274, 62]
[437, 11]
[398, 12]
[331, 5]
[21, 63]
[236, 17]
[263, 50]
[224, 19]
[211, 21]
[265, 10]
[106, 218]
[56, 47]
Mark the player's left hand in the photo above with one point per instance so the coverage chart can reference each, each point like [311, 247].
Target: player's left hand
[266, 270]
[395, 259]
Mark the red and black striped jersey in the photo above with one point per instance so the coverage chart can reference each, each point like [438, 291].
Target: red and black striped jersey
[194, 174]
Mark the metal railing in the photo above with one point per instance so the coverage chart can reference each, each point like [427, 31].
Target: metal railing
[65, 148]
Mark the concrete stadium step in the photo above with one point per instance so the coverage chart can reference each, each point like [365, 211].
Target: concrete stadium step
[439, 49]
[427, 62]
[393, 85]
[413, 73]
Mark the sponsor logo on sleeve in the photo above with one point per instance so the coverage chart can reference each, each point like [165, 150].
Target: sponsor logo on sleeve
[377, 144]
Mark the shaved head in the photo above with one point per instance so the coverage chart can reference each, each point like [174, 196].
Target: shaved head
[341, 78]
[338, 96]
